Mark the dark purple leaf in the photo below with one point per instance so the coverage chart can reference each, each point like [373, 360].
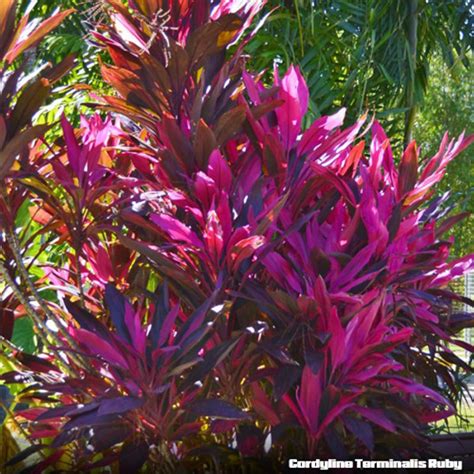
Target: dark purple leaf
[104, 437]
[132, 457]
[68, 436]
[361, 430]
[313, 359]
[212, 358]
[57, 412]
[394, 222]
[116, 303]
[454, 359]
[459, 321]
[89, 419]
[193, 344]
[37, 364]
[284, 379]
[86, 320]
[431, 212]
[82, 408]
[162, 308]
[197, 318]
[218, 409]
[335, 444]
[279, 431]
[119, 405]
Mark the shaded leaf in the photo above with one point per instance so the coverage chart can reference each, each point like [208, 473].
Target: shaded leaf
[217, 409]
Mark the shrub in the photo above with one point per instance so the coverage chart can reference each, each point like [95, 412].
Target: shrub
[22, 92]
[286, 288]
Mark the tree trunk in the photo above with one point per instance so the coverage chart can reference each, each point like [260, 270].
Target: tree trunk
[412, 24]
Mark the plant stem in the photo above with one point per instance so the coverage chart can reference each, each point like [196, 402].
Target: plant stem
[79, 279]
[8, 344]
[300, 27]
[41, 329]
[17, 425]
[14, 246]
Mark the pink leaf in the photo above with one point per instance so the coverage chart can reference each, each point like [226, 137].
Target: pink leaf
[168, 325]
[309, 397]
[176, 229]
[295, 93]
[319, 131]
[98, 346]
[73, 148]
[219, 171]
[281, 271]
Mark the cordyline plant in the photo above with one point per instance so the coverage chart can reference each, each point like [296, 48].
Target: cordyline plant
[230, 289]
[22, 92]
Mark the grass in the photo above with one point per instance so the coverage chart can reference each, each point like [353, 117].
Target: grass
[462, 422]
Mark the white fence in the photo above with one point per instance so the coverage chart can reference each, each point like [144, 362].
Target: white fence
[469, 293]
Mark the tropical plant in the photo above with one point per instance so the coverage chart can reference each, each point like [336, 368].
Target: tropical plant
[357, 55]
[22, 93]
[286, 286]
[137, 388]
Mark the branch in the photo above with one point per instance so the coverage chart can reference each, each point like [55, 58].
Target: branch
[14, 246]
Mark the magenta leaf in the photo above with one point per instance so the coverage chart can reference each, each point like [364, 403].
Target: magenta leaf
[176, 230]
[99, 347]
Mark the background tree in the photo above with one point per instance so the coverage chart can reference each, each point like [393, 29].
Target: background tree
[71, 37]
[448, 104]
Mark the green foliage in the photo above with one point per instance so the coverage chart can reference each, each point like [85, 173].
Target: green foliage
[449, 106]
[71, 37]
[23, 335]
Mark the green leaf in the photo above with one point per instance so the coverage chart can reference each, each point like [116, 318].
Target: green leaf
[24, 335]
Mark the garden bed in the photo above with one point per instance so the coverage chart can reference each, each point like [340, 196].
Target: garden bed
[458, 446]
